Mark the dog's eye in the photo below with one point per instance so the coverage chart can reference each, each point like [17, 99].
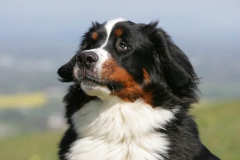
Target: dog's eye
[122, 46]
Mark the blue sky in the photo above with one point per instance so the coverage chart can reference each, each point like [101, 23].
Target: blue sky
[46, 33]
[57, 25]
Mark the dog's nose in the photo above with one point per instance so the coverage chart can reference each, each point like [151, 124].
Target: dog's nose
[87, 59]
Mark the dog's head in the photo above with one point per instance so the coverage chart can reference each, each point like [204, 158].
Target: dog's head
[132, 61]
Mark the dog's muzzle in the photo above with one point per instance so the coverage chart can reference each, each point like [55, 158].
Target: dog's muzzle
[86, 62]
[87, 59]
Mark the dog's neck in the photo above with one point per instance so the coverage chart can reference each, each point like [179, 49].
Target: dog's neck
[113, 125]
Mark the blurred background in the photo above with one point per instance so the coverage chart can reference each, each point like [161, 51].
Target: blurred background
[37, 37]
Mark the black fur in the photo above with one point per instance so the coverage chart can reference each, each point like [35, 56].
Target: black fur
[173, 82]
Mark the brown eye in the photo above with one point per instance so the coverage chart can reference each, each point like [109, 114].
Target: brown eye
[122, 46]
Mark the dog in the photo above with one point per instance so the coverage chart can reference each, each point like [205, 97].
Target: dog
[131, 91]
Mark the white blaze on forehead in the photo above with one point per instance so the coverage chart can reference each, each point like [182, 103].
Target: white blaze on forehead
[109, 25]
[103, 57]
[102, 53]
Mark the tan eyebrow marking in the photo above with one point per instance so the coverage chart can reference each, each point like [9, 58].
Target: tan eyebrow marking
[118, 32]
[94, 36]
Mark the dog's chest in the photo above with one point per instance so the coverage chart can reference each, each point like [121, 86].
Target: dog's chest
[119, 130]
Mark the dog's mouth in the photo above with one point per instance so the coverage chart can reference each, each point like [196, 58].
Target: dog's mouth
[87, 77]
[94, 87]
[91, 82]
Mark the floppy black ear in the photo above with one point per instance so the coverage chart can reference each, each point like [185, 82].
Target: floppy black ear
[66, 71]
[174, 65]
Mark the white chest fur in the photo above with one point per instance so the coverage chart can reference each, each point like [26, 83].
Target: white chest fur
[118, 130]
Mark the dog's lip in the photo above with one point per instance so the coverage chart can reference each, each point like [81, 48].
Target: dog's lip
[92, 80]
[82, 73]
[88, 77]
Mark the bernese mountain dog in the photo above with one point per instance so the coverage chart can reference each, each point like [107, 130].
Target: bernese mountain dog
[131, 91]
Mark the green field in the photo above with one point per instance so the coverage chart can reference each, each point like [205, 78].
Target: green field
[219, 126]
[39, 146]
[27, 100]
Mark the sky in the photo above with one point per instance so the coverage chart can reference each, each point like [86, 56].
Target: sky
[54, 27]
[41, 35]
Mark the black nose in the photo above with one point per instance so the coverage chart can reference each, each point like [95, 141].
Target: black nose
[87, 59]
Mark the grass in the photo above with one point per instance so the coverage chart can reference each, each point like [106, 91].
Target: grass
[29, 100]
[219, 126]
[39, 146]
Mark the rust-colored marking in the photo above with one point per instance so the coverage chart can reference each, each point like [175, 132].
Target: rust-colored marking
[94, 36]
[131, 89]
[118, 32]
[146, 76]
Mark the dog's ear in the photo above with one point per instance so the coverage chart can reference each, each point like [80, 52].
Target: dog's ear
[66, 71]
[173, 64]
